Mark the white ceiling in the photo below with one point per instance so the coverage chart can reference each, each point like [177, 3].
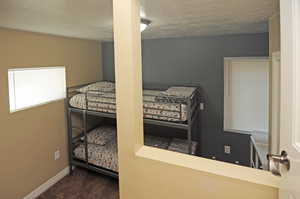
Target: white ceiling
[92, 19]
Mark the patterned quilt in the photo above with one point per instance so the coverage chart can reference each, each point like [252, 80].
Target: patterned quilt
[106, 102]
[106, 155]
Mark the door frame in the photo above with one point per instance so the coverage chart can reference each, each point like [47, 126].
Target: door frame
[290, 72]
[290, 96]
[274, 136]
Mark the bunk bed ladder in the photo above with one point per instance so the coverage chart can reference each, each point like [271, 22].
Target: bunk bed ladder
[70, 132]
[84, 125]
[70, 143]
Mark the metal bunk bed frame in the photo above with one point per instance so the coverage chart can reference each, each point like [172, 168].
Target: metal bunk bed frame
[192, 124]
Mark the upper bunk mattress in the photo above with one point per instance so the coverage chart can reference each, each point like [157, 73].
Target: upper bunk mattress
[106, 102]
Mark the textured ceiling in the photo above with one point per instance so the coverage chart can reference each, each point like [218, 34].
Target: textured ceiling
[92, 19]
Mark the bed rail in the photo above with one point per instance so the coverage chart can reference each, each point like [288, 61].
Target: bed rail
[255, 158]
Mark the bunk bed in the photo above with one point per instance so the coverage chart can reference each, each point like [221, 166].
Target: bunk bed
[176, 107]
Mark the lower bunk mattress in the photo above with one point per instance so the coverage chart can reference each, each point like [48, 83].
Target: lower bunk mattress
[103, 156]
[106, 156]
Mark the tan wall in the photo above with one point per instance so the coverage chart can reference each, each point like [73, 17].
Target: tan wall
[274, 33]
[29, 138]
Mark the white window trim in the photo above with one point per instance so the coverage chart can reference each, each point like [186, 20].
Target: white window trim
[227, 77]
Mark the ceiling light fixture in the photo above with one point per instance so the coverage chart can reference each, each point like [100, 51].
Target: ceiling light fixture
[144, 24]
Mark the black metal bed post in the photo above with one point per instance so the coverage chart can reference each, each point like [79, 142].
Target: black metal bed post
[189, 124]
[198, 119]
[70, 136]
[84, 125]
[193, 110]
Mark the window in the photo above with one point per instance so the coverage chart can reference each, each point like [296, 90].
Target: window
[30, 87]
[246, 94]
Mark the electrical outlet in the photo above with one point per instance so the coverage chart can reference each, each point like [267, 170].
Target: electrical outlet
[201, 106]
[56, 155]
[227, 149]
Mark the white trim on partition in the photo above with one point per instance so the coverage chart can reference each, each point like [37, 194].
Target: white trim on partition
[49, 183]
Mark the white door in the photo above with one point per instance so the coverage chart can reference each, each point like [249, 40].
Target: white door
[290, 99]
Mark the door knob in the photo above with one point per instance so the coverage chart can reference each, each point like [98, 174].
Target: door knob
[276, 162]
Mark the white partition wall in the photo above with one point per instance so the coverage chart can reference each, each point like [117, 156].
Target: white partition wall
[148, 172]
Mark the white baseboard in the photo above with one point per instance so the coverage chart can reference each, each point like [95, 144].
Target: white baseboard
[42, 188]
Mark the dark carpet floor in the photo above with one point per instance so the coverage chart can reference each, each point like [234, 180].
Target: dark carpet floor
[83, 184]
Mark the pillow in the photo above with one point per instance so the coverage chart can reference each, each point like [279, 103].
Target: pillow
[182, 146]
[180, 91]
[158, 142]
[101, 135]
[98, 86]
[151, 92]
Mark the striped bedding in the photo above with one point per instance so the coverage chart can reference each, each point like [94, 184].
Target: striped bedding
[106, 102]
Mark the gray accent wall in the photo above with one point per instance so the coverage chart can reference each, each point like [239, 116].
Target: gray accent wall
[198, 61]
